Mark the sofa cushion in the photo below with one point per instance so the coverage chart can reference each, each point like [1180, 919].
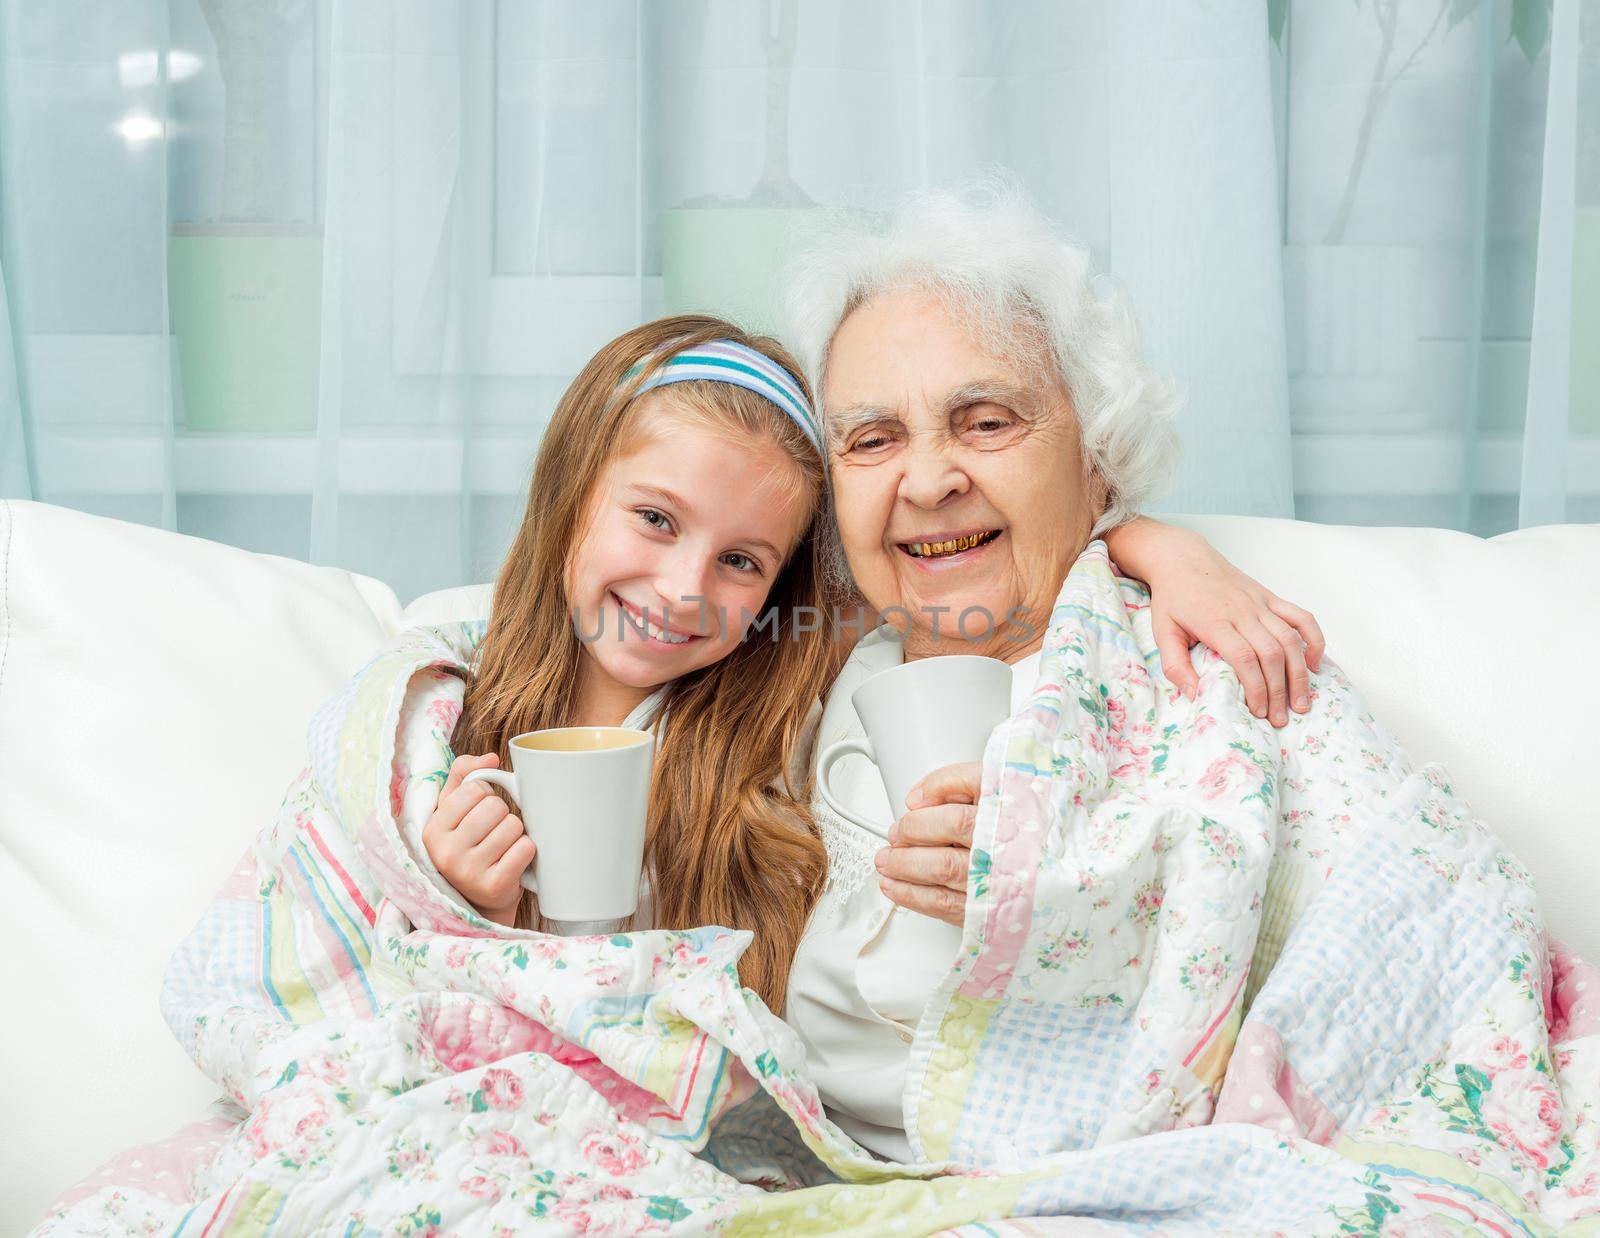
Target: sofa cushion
[154, 695]
[448, 606]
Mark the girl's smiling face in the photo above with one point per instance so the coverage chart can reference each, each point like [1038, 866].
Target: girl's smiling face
[685, 535]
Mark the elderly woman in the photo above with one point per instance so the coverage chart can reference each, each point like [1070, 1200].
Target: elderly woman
[988, 414]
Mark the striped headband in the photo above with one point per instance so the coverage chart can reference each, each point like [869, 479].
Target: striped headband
[727, 361]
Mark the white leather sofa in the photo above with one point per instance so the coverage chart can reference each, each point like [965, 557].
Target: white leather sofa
[154, 690]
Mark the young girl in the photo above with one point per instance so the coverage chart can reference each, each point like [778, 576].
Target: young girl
[674, 500]
[682, 463]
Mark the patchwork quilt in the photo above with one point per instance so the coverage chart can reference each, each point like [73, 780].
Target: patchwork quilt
[1213, 977]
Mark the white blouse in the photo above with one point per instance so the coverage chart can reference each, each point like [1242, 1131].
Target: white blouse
[866, 967]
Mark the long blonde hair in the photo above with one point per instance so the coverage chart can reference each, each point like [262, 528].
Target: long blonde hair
[731, 839]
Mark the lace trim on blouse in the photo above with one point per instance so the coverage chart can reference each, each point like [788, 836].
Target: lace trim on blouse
[850, 854]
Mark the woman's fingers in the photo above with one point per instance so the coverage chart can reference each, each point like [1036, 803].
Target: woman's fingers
[942, 825]
[928, 866]
[950, 784]
[1294, 662]
[1304, 622]
[925, 868]
[1239, 652]
[940, 902]
[1173, 643]
[1269, 655]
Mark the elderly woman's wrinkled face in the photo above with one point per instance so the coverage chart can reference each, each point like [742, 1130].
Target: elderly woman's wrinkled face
[962, 496]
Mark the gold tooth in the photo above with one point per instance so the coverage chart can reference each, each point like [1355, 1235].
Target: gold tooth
[952, 545]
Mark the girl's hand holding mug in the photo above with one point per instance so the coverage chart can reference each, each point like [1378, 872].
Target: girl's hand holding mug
[478, 843]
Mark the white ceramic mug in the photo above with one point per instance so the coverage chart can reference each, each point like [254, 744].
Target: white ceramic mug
[582, 793]
[919, 717]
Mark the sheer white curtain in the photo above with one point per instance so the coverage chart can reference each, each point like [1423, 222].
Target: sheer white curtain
[308, 276]
[1440, 183]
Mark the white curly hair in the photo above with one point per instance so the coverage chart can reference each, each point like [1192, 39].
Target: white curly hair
[987, 252]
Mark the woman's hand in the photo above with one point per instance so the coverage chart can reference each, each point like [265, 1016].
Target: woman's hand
[1198, 596]
[924, 868]
[477, 843]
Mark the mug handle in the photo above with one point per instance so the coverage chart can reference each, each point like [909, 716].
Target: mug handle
[831, 754]
[508, 784]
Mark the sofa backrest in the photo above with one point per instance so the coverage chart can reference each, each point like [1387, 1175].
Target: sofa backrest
[1480, 654]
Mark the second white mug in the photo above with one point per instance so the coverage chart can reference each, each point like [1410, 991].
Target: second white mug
[920, 716]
